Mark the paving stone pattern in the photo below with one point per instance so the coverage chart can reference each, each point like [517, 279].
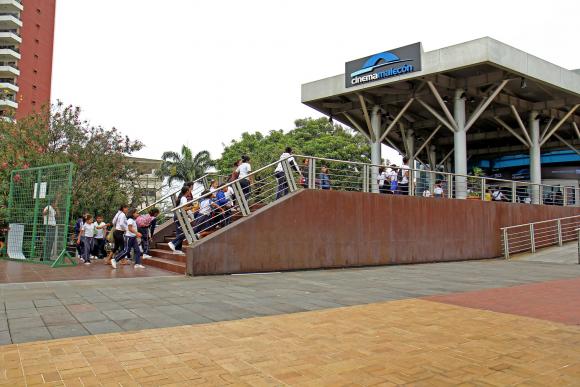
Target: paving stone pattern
[406, 342]
[51, 310]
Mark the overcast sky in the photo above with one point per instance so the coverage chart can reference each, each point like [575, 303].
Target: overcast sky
[202, 72]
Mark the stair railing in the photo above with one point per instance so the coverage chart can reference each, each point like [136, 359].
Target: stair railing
[271, 182]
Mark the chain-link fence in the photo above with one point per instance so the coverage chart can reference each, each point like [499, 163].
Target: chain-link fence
[38, 215]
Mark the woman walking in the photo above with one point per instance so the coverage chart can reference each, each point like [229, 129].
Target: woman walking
[131, 243]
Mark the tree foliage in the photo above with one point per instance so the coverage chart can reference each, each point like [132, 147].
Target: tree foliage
[102, 173]
[310, 137]
[183, 167]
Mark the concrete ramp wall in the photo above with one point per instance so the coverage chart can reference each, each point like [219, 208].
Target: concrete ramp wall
[313, 229]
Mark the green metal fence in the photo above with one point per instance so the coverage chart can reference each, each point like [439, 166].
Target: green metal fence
[38, 215]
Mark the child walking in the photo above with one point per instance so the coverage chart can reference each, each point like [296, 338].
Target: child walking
[87, 237]
[131, 236]
[143, 226]
[100, 235]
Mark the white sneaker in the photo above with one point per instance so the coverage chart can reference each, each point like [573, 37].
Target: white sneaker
[114, 263]
[147, 256]
[171, 246]
[138, 266]
[87, 263]
[178, 252]
[82, 260]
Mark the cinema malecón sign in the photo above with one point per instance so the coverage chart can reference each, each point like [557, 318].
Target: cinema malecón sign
[386, 64]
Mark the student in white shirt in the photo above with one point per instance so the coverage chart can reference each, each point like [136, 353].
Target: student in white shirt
[87, 234]
[281, 176]
[438, 191]
[497, 195]
[131, 235]
[404, 182]
[119, 227]
[243, 171]
[49, 217]
[205, 221]
[176, 244]
[100, 235]
[392, 178]
[382, 180]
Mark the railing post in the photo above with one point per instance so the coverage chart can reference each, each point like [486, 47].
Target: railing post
[532, 238]
[506, 246]
[365, 180]
[450, 186]
[241, 199]
[514, 189]
[565, 196]
[559, 232]
[290, 181]
[411, 182]
[483, 187]
[312, 174]
[186, 228]
[540, 194]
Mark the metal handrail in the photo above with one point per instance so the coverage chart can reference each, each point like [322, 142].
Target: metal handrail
[540, 222]
[530, 239]
[146, 209]
[231, 183]
[362, 178]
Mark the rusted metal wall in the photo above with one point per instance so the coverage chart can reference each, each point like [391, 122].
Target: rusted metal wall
[328, 229]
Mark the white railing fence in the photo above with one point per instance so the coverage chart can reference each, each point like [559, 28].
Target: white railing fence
[532, 236]
[204, 214]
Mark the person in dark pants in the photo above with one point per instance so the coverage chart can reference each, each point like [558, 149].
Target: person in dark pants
[130, 242]
[305, 173]
[100, 234]
[119, 227]
[176, 244]
[49, 218]
[404, 177]
[281, 176]
[243, 170]
[77, 234]
[143, 226]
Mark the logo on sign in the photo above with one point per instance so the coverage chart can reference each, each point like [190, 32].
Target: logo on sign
[383, 65]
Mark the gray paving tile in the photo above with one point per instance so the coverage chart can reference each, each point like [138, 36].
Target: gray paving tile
[99, 327]
[19, 313]
[58, 319]
[47, 302]
[52, 309]
[19, 305]
[30, 334]
[5, 338]
[109, 305]
[120, 314]
[25, 323]
[134, 324]
[67, 330]
[84, 317]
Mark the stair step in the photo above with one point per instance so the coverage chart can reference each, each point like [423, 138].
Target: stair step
[168, 255]
[165, 264]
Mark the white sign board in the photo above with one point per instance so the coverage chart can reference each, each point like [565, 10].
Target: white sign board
[15, 240]
[41, 192]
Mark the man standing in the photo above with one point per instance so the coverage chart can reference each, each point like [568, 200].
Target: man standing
[49, 217]
[281, 176]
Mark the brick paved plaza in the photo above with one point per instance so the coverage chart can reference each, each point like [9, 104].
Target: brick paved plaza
[479, 323]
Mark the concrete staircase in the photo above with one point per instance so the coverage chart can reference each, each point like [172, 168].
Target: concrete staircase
[164, 258]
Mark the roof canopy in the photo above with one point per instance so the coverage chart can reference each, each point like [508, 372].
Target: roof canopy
[501, 85]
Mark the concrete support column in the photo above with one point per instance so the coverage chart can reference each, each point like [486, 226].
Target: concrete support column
[460, 145]
[535, 156]
[432, 166]
[375, 147]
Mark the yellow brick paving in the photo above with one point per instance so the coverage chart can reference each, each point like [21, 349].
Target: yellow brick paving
[410, 342]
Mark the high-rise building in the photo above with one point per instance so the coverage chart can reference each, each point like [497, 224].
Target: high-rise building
[26, 45]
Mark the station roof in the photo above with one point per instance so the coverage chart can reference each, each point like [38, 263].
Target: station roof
[479, 67]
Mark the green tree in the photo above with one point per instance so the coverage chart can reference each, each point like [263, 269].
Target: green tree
[103, 174]
[310, 137]
[185, 167]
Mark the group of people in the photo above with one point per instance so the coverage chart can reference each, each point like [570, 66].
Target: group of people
[394, 180]
[129, 232]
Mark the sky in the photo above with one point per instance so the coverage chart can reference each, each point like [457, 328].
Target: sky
[201, 73]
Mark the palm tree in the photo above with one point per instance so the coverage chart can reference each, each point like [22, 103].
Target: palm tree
[184, 167]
